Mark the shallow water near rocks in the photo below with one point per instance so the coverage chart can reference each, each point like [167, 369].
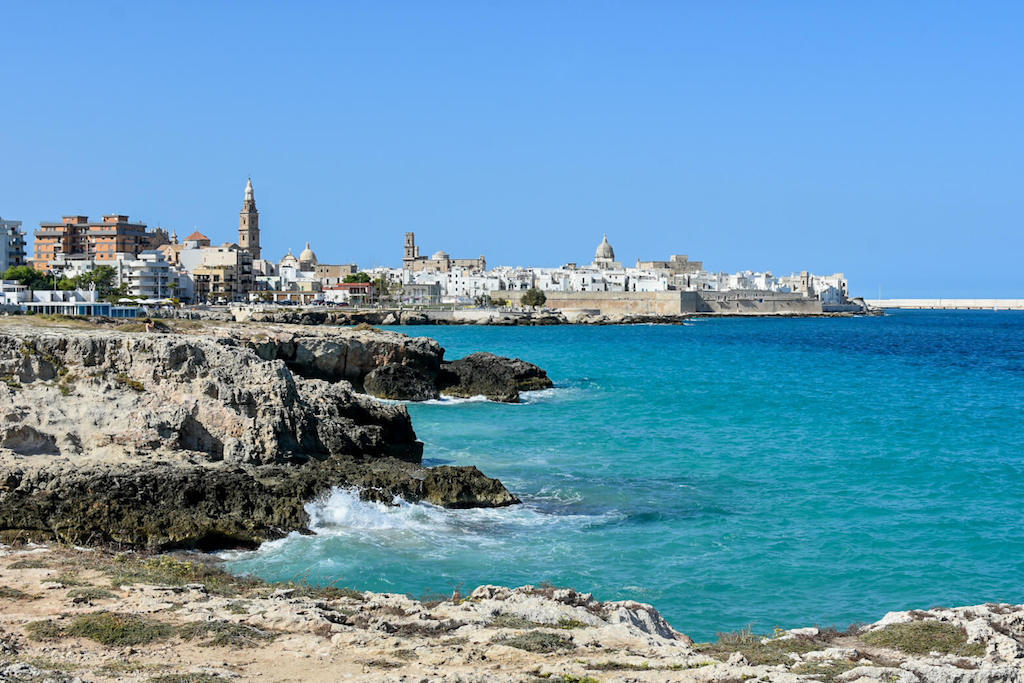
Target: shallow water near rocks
[777, 472]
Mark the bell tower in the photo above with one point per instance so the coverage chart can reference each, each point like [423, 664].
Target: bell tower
[412, 252]
[249, 223]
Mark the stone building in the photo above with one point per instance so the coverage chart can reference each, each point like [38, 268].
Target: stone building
[223, 273]
[12, 245]
[440, 262]
[249, 224]
[75, 235]
[604, 257]
[307, 259]
[678, 264]
[329, 274]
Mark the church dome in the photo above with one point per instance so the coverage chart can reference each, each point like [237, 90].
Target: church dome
[604, 250]
[308, 255]
[441, 256]
[289, 259]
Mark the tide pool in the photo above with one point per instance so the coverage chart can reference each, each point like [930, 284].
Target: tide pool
[781, 472]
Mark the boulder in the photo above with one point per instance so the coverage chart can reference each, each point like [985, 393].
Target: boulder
[496, 377]
[400, 382]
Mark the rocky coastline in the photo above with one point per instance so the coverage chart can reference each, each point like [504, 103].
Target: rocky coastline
[95, 615]
[119, 447]
[218, 436]
[318, 315]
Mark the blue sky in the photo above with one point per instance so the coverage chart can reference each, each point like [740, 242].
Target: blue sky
[881, 139]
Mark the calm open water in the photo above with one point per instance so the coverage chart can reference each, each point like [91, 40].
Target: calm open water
[777, 472]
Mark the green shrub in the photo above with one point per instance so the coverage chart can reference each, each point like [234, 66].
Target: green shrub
[168, 571]
[9, 593]
[749, 644]
[512, 621]
[109, 628]
[133, 384]
[538, 641]
[569, 624]
[225, 634]
[89, 594]
[27, 564]
[922, 637]
[533, 297]
[106, 628]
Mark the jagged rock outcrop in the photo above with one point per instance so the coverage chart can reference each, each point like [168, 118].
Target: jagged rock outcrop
[170, 440]
[160, 503]
[350, 354]
[399, 382]
[496, 377]
[121, 395]
[395, 366]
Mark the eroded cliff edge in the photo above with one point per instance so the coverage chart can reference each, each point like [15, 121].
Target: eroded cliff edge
[204, 440]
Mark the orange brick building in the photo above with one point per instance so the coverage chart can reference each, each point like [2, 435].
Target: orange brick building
[75, 235]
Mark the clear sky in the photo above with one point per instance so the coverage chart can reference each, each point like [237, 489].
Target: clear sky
[881, 139]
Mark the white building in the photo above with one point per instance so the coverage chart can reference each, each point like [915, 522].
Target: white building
[12, 245]
[71, 302]
[148, 275]
[605, 274]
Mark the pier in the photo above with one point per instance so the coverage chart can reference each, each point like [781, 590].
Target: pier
[950, 304]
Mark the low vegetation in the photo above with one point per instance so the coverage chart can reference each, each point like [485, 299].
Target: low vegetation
[923, 637]
[8, 593]
[756, 652]
[133, 384]
[825, 671]
[90, 594]
[106, 628]
[225, 634]
[537, 641]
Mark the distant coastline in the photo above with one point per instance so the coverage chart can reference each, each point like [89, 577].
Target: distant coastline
[318, 315]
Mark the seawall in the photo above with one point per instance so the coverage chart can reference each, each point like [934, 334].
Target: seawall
[950, 304]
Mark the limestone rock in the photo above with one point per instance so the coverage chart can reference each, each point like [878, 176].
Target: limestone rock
[496, 377]
[399, 382]
[176, 440]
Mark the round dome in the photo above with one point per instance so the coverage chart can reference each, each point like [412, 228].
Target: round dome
[604, 250]
[441, 255]
[308, 254]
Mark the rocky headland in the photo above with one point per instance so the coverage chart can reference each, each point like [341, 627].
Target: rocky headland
[218, 436]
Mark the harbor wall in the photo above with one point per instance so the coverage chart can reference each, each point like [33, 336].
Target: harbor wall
[753, 302]
[950, 304]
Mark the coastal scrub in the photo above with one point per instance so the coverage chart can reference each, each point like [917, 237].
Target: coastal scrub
[923, 637]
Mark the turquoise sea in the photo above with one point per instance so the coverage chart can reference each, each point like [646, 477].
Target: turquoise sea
[777, 472]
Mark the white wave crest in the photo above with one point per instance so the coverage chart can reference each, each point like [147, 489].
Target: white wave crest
[343, 508]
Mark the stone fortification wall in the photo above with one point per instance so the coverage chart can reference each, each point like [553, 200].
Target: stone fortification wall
[681, 302]
[755, 302]
[611, 303]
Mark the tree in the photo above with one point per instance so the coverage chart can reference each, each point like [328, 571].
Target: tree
[103, 277]
[533, 297]
[28, 276]
[499, 303]
[357, 277]
[382, 286]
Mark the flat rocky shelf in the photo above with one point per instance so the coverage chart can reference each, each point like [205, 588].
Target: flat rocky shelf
[95, 616]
